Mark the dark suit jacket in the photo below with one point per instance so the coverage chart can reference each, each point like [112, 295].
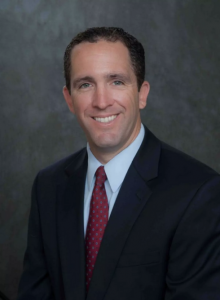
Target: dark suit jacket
[162, 240]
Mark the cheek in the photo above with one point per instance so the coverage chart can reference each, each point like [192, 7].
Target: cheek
[123, 98]
[79, 105]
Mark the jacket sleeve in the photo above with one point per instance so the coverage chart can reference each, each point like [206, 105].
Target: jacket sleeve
[194, 261]
[35, 282]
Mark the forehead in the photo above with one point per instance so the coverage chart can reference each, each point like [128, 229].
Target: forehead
[103, 54]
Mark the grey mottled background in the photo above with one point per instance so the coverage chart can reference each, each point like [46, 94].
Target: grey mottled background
[182, 43]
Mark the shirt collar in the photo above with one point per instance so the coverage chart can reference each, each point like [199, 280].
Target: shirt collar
[93, 165]
[118, 166]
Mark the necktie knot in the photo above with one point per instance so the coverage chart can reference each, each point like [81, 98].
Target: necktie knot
[100, 175]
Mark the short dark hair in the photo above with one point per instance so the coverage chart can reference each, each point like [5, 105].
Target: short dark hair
[110, 34]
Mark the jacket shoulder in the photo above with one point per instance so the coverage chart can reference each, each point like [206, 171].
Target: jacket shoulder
[178, 164]
[61, 168]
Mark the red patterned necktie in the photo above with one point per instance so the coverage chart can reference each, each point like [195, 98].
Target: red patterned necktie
[98, 218]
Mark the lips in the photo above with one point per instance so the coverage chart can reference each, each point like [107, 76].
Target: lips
[105, 119]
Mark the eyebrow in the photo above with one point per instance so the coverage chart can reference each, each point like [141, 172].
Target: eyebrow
[119, 76]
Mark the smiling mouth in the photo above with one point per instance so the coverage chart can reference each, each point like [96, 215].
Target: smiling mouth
[106, 119]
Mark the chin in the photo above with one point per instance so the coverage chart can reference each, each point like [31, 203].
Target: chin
[109, 146]
[106, 140]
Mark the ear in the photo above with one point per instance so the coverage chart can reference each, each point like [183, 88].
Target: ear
[68, 99]
[143, 94]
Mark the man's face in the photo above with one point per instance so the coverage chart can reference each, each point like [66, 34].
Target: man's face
[104, 96]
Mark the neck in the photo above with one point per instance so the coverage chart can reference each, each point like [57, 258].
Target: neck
[104, 157]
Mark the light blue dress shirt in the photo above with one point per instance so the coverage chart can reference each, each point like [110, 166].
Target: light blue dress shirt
[115, 170]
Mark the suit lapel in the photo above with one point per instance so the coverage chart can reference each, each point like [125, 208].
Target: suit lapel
[70, 228]
[133, 196]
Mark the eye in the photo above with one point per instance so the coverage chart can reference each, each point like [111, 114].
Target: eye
[118, 82]
[84, 85]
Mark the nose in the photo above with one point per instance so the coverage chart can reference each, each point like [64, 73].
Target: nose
[102, 98]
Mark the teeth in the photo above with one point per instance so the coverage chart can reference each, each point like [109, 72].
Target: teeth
[106, 120]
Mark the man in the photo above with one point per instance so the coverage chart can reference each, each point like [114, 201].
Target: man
[128, 217]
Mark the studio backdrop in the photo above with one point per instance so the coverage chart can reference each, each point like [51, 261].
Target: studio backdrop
[182, 44]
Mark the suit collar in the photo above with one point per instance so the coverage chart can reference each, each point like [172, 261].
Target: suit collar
[78, 163]
[147, 159]
[133, 196]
